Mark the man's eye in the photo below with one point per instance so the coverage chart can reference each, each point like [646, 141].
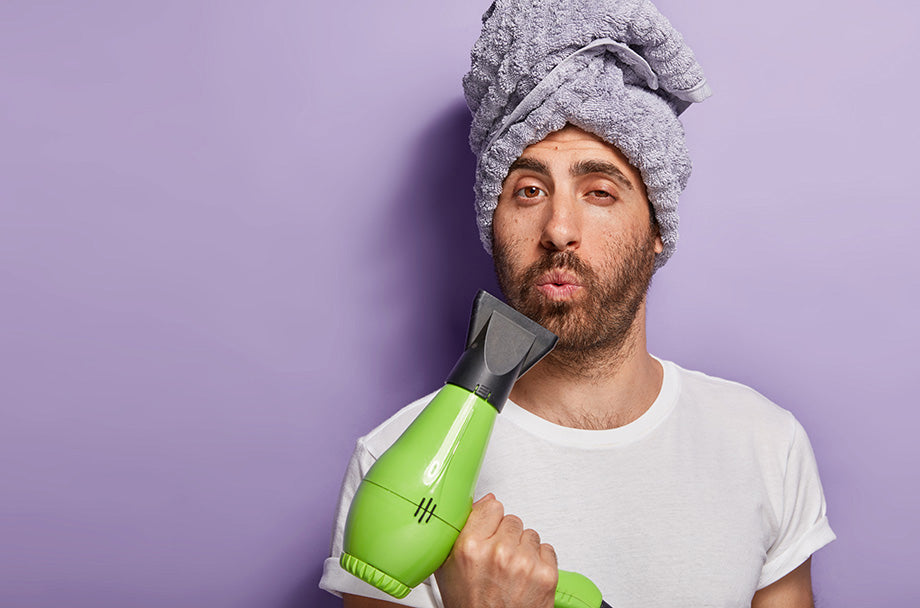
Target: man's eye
[529, 192]
[600, 194]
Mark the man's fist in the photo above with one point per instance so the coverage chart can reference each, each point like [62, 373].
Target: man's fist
[496, 563]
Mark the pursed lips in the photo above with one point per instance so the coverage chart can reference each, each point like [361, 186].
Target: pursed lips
[558, 284]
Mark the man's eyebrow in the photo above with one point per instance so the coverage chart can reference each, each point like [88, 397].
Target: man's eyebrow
[587, 167]
[529, 164]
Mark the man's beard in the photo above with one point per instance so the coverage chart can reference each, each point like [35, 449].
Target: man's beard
[600, 320]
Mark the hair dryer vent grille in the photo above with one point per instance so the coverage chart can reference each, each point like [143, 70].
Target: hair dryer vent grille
[425, 509]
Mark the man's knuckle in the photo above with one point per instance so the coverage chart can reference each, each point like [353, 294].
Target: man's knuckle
[503, 555]
[494, 504]
[492, 509]
[531, 535]
[521, 565]
[467, 546]
[546, 575]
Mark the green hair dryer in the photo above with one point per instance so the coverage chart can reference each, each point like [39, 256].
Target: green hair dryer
[412, 504]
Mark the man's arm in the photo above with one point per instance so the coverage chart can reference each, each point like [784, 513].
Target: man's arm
[791, 591]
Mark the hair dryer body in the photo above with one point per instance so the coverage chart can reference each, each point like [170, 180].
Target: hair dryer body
[412, 504]
[410, 507]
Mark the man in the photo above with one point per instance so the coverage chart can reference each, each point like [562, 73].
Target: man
[666, 487]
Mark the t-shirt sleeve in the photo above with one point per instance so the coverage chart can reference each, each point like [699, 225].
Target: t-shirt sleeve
[335, 579]
[803, 526]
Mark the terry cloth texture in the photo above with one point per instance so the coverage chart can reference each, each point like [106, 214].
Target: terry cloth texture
[615, 68]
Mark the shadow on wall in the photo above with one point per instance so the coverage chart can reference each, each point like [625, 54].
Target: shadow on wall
[440, 255]
[433, 265]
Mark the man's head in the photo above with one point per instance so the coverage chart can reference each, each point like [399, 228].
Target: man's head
[614, 68]
[573, 240]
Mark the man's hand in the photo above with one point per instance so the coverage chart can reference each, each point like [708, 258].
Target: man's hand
[496, 563]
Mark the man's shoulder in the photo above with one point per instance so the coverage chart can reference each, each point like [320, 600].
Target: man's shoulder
[383, 436]
[732, 402]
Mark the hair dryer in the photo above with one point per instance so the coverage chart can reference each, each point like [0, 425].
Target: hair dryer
[412, 504]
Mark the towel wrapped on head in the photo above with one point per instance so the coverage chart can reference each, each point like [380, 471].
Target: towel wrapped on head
[615, 68]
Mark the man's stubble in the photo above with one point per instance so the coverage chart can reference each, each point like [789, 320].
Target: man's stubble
[594, 330]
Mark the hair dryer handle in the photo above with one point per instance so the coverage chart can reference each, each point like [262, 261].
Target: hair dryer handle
[577, 591]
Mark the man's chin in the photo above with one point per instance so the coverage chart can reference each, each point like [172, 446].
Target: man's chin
[548, 312]
[565, 319]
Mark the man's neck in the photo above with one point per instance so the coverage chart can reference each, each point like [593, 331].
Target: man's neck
[606, 390]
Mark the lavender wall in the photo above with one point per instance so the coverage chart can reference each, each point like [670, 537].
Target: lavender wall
[235, 236]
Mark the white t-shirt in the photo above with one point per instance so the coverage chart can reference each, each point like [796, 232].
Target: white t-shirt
[711, 494]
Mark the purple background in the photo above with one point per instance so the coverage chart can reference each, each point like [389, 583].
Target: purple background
[236, 236]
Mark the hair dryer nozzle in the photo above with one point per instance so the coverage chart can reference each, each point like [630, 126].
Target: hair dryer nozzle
[501, 345]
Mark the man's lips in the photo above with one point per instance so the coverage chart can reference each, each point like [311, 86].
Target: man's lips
[558, 284]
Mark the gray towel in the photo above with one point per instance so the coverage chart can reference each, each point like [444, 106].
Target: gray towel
[615, 68]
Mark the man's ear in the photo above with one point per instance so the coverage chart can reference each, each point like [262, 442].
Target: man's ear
[659, 244]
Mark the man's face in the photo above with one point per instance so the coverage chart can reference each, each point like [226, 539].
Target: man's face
[573, 242]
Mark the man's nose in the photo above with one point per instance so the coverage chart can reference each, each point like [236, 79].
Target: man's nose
[562, 229]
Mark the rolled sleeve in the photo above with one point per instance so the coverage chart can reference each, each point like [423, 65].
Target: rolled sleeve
[804, 527]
